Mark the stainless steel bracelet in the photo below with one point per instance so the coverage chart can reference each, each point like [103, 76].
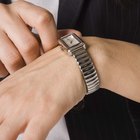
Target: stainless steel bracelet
[77, 48]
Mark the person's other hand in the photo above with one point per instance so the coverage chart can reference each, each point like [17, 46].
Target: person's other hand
[18, 45]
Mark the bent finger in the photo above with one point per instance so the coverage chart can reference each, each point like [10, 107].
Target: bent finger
[24, 40]
[42, 20]
[9, 55]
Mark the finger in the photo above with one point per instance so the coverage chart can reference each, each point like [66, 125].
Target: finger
[40, 125]
[11, 128]
[68, 31]
[24, 40]
[36, 130]
[42, 21]
[3, 71]
[9, 55]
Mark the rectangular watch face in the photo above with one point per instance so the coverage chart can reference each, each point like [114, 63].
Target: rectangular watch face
[71, 41]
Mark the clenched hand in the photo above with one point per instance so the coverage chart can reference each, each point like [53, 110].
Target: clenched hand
[18, 46]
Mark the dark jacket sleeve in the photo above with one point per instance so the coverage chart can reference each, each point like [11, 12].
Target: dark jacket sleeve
[5, 1]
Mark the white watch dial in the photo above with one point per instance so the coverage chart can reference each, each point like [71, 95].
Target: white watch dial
[71, 41]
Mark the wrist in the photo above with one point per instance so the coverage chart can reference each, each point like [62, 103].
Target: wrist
[117, 65]
[75, 89]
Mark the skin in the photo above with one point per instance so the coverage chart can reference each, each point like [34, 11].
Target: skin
[118, 65]
[18, 44]
[42, 103]
[46, 89]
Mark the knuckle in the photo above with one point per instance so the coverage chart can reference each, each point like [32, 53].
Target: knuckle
[44, 17]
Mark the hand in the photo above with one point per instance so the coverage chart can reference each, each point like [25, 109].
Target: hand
[18, 45]
[34, 98]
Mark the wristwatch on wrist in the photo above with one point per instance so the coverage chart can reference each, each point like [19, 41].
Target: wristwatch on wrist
[77, 48]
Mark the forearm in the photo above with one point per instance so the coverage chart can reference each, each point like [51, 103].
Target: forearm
[118, 65]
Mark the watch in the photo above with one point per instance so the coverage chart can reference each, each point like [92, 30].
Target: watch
[77, 48]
